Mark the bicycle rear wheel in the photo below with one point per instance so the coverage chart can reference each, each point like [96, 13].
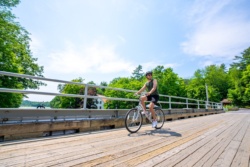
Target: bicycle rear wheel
[133, 120]
[160, 117]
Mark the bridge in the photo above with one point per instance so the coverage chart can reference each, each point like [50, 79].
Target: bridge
[213, 140]
[196, 133]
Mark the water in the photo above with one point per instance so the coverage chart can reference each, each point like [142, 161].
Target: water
[30, 107]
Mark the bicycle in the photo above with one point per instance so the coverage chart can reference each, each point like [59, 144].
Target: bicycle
[134, 118]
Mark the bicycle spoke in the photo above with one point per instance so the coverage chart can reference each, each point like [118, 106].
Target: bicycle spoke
[133, 120]
[160, 118]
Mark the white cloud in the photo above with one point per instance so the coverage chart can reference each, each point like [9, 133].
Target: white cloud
[96, 58]
[218, 32]
[151, 65]
[206, 63]
[174, 65]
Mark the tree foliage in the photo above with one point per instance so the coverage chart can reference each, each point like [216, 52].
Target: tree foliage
[239, 76]
[137, 73]
[27, 103]
[168, 83]
[75, 89]
[246, 84]
[216, 79]
[242, 61]
[124, 83]
[15, 56]
[196, 87]
[68, 102]
[9, 3]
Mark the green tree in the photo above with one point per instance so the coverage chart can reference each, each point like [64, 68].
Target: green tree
[169, 83]
[246, 83]
[242, 61]
[74, 102]
[235, 91]
[137, 73]
[124, 83]
[101, 91]
[196, 87]
[15, 56]
[239, 94]
[238, 78]
[217, 78]
[9, 3]
[55, 102]
[68, 102]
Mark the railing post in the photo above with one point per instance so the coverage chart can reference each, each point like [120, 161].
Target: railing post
[186, 103]
[85, 96]
[169, 102]
[198, 104]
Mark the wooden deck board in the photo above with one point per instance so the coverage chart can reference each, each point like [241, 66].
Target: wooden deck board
[243, 153]
[222, 142]
[205, 149]
[191, 154]
[213, 140]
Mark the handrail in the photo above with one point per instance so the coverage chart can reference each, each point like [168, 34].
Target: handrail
[57, 80]
[85, 96]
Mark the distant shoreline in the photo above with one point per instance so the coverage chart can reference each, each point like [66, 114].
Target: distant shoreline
[32, 107]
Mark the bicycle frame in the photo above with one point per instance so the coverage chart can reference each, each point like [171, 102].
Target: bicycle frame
[134, 118]
[140, 108]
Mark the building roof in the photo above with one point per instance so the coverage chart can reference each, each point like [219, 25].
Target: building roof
[103, 98]
[226, 101]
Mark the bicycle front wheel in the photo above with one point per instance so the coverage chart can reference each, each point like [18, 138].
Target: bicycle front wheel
[133, 120]
[160, 116]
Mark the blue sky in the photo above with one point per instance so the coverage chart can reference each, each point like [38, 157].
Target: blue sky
[100, 40]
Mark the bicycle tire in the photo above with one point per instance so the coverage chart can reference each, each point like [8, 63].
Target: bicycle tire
[133, 120]
[160, 116]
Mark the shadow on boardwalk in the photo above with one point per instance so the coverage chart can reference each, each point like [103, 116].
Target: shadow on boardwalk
[165, 132]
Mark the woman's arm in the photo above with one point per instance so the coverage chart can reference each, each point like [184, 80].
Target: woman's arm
[142, 89]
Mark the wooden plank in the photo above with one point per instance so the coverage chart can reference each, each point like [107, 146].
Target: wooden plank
[132, 155]
[31, 154]
[57, 145]
[122, 149]
[114, 153]
[212, 156]
[15, 146]
[155, 152]
[242, 157]
[227, 156]
[217, 138]
[65, 148]
[183, 157]
[190, 142]
[74, 153]
[206, 136]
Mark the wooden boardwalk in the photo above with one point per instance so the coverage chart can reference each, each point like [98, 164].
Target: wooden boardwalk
[214, 140]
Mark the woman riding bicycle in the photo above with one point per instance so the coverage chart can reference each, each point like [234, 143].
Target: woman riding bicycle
[152, 95]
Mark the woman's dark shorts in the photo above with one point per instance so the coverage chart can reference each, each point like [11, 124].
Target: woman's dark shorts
[153, 98]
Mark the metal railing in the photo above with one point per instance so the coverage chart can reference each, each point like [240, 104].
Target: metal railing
[188, 101]
[170, 100]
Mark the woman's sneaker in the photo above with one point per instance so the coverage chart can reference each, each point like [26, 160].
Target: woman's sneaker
[154, 124]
